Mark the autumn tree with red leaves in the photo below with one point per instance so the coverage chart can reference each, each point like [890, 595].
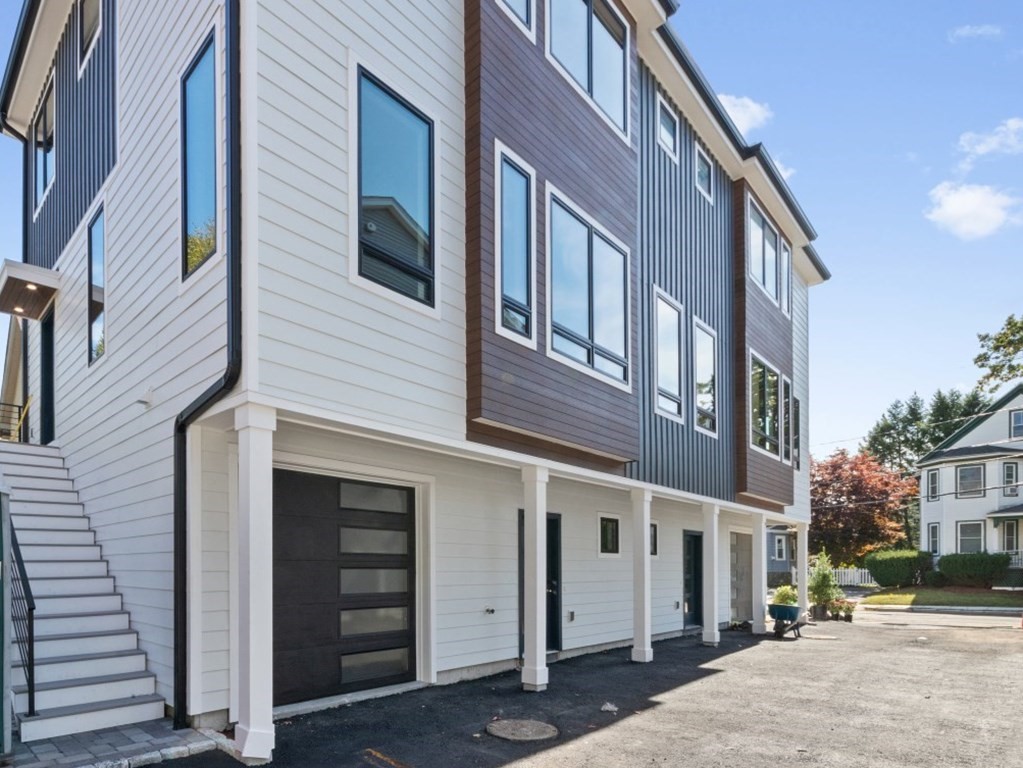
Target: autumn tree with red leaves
[857, 506]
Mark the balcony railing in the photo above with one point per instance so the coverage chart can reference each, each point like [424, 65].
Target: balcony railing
[1017, 558]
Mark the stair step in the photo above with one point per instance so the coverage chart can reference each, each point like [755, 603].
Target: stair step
[81, 665]
[67, 693]
[49, 605]
[68, 623]
[18, 458]
[31, 482]
[90, 717]
[60, 552]
[33, 470]
[33, 494]
[24, 507]
[42, 569]
[50, 522]
[86, 642]
[52, 536]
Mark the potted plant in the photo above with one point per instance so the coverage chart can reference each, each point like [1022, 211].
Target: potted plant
[822, 587]
[784, 605]
[848, 606]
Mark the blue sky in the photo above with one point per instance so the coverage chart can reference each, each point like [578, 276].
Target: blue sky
[902, 123]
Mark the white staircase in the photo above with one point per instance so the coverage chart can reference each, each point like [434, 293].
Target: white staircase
[89, 671]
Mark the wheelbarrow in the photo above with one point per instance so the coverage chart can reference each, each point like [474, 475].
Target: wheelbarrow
[786, 619]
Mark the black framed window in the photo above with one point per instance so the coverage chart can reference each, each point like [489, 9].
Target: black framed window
[797, 440]
[933, 484]
[785, 278]
[763, 252]
[1010, 478]
[199, 159]
[395, 192]
[609, 536]
[588, 272]
[88, 24]
[653, 539]
[97, 287]
[705, 353]
[516, 248]
[587, 37]
[933, 539]
[970, 481]
[786, 420]
[668, 317]
[1016, 424]
[764, 410]
[44, 141]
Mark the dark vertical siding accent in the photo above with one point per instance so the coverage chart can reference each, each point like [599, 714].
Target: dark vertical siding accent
[685, 249]
[86, 140]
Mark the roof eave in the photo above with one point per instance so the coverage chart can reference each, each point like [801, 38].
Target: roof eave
[29, 12]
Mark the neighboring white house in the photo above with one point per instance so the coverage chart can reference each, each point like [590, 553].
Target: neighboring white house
[970, 498]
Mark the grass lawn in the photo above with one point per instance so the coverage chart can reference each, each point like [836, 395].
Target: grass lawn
[960, 597]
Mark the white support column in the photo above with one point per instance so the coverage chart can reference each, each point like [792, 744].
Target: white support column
[254, 735]
[193, 453]
[642, 648]
[802, 559]
[759, 574]
[534, 665]
[711, 558]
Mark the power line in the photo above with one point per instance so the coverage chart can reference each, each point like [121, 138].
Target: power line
[908, 498]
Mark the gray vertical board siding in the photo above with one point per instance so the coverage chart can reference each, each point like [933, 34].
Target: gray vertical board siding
[85, 143]
[686, 249]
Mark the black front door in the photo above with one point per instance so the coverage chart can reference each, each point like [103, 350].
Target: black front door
[344, 585]
[46, 402]
[692, 579]
[553, 582]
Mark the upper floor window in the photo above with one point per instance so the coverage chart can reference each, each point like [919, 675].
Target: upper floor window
[88, 24]
[1016, 424]
[704, 172]
[395, 192]
[522, 13]
[668, 355]
[97, 287]
[515, 241]
[764, 407]
[705, 378]
[199, 160]
[770, 259]
[589, 293]
[933, 484]
[667, 127]
[1010, 478]
[970, 481]
[44, 142]
[933, 540]
[587, 38]
[785, 277]
[797, 441]
[786, 420]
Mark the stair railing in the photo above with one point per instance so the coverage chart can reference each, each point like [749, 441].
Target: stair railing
[23, 611]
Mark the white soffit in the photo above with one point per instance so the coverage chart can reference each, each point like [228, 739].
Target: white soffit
[35, 66]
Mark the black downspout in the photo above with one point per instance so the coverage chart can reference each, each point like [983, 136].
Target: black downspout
[232, 34]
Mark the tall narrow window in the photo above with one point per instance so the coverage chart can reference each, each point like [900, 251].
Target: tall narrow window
[516, 247]
[704, 173]
[763, 252]
[1016, 424]
[1010, 478]
[785, 275]
[933, 484]
[933, 540]
[669, 357]
[88, 21]
[199, 134]
[797, 439]
[588, 38]
[44, 140]
[653, 539]
[764, 406]
[970, 481]
[608, 533]
[779, 548]
[395, 190]
[706, 384]
[786, 420]
[97, 287]
[588, 294]
[667, 128]
[1010, 536]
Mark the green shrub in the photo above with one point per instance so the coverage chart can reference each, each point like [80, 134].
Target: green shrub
[935, 579]
[786, 595]
[976, 569]
[899, 567]
[821, 584]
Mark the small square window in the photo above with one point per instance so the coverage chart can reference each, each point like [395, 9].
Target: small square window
[609, 539]
[667, 128]
[704, 173]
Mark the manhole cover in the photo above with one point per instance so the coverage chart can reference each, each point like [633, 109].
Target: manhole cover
[521, 730]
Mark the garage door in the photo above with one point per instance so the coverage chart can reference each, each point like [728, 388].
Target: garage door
[344, 585]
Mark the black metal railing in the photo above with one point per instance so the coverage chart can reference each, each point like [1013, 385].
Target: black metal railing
[23, 613]
[10, 421]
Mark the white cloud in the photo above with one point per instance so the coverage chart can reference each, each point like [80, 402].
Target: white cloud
[971, 211]
[1005, 139]
[786, 172]
[972, 31]
[748, 115]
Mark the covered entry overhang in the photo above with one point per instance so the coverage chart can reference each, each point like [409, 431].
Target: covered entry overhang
[26, 290]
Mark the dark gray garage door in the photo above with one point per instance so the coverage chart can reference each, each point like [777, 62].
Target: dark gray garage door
[344, 585]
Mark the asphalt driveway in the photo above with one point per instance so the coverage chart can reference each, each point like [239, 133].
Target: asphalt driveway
[882, 691]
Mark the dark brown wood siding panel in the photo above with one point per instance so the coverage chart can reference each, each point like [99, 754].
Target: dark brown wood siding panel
[516, 95]
[765, 329]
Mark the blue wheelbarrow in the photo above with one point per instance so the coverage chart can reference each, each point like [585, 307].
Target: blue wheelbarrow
[786, 619]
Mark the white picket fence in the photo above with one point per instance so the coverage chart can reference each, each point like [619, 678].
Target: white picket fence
[852, 577]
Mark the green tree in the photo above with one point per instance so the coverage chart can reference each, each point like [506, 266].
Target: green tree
[1001, 355]
[200, 244]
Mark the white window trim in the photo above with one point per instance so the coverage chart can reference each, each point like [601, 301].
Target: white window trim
[983, 534]
[672, 152]
[678, 417]
[1015, 535]
[197, 275]
[657, 526]
[385, 73]
[936, 527]
[83, 61]
[502, 151]
[563, 199]
[618, 519]
[698, 323]
[1012, 413]
[983, 482]
[750, 205]
[780, 539]
[750, 354]
[697, 154]
[51, 80]
[1010, 488]
[784, 412]
[529, 30]
[936, 473]
[626, 134]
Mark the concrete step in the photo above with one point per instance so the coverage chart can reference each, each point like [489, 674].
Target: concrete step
[32, 482]
[51, 522]
[90, 717]
[60, 552]
[54, 536]
[86, 642]
[34, 494]
[47, 606]
[34, 470]
[84, 690]
[69, 623]
[42, 569]
[61, 509]
[81, 665]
